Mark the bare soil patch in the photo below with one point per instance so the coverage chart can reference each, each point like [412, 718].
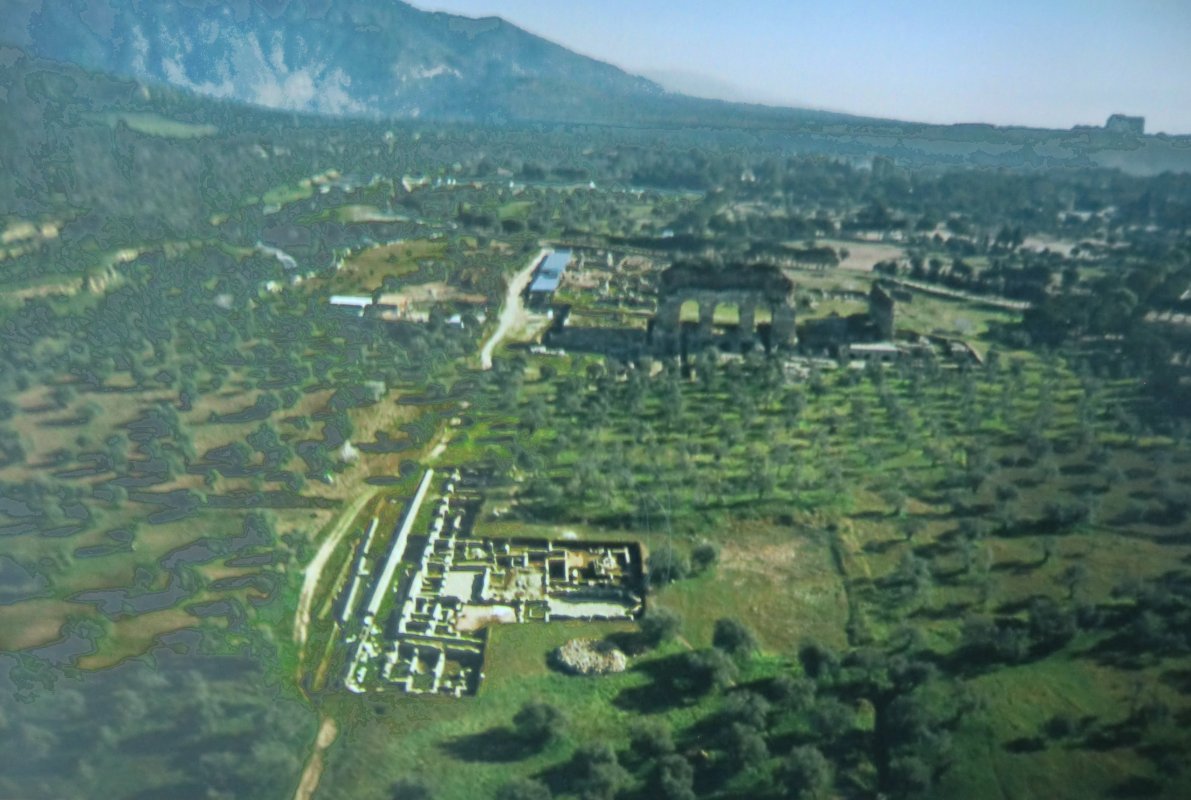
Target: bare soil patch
[863, 256]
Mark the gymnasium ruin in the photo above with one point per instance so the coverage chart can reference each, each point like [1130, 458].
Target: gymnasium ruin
[425, 625]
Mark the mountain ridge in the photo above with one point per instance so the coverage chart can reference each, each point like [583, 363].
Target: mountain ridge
[388, 59]
[362, 57]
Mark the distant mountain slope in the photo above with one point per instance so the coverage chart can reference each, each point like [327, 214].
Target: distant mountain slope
[370, 57]
[385, 58]
[79, 145]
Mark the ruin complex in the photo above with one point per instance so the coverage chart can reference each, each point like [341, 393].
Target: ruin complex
[424, 630]
[748, 287]
[882, 310]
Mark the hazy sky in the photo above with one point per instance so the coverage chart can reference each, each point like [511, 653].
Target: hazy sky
[1049, 63]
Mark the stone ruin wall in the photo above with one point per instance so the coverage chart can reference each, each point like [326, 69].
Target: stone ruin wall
[748, 288]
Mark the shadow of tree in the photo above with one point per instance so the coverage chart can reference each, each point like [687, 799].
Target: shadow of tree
[883, 546]
[185, 790]
[1026, 744]
[1136, 786]
[632, 643]
[495, 745]
[1179, 679]
[666, 690]
[951, 610]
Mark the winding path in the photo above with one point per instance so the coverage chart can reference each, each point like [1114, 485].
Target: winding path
[512, 312]
[314, 766]
[956, 294]
[315, 568]
[511, 315]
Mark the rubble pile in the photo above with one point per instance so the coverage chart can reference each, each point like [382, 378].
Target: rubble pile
[590, 657]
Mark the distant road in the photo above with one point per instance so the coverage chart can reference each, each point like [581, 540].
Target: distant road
[512, 313]
[943, 291]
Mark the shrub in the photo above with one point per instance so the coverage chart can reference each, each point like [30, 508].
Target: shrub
[734, 638]
[707, 670]
[651, 738]
[674, 778]
[539, 723]
[805, 773]
[659, 625]
[523, 789]
[704, 556]
[667, 565]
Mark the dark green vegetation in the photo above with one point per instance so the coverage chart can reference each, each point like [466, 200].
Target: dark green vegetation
[1007, 540]
[188, 724]
[950, 571]
[928, 580]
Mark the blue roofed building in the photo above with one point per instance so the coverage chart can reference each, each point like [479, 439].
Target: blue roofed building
[548, 277]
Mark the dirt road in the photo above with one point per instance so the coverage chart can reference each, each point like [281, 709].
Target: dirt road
[315, 568]
[314, 767]
[512, 314]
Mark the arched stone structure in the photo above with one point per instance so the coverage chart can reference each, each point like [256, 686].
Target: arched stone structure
[749, 287]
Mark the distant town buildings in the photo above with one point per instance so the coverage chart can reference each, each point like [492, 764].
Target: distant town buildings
[1122, 123]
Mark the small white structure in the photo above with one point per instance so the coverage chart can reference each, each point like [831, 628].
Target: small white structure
[357, 302]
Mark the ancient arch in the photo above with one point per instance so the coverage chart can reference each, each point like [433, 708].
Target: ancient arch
[749, 287]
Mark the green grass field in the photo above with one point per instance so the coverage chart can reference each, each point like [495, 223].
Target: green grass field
[975, 462]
